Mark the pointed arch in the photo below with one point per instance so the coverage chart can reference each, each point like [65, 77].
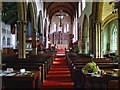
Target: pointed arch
[32, 14]
[113, 38]
[85, 33]
[40, 23]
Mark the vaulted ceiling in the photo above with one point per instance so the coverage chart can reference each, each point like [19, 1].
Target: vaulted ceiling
[67, 7]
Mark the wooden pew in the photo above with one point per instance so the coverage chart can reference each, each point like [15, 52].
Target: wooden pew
[29, 80]
[76, 64]
[31, 63]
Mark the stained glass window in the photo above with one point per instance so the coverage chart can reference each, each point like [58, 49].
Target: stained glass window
[114, 38]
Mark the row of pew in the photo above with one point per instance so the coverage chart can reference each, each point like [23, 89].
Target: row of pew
[40, 63]
[77, 61]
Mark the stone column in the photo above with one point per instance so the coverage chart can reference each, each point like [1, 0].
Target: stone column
[22, 29]
[98, 39]
[0, 32]
[0, 42]
[34, 42]
[83, 41]
[45, 28]
[57, 33]
[70, 35]
[91, 24]
[90, 39]
[22, 39]
[119, 30]
[94, 38]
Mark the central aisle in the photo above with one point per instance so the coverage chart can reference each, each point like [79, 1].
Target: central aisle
[59, 74]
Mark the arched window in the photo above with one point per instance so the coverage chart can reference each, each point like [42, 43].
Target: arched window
[114, 38]
[54, 27]
[67, 27]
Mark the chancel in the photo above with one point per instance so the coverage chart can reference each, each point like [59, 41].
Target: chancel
[68, 44]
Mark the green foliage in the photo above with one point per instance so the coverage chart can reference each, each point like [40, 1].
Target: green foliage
[90, 67]
[76, 49]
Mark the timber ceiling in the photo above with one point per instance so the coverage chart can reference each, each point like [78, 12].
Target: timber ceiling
[67, 7]
[9, 12]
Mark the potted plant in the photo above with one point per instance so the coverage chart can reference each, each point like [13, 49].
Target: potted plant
[76, 49]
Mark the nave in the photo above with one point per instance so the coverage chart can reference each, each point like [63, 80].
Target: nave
[33, 35]
[61, 70]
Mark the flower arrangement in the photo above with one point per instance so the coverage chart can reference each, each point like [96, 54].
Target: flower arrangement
[90, 67]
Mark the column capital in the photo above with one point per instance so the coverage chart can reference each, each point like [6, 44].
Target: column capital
[98, 22]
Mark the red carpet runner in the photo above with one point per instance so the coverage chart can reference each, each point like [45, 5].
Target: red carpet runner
[59, 74]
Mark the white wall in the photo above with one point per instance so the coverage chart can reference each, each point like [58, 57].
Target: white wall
[0, 36]
[0, 42]
[6, 34]
[87, 11]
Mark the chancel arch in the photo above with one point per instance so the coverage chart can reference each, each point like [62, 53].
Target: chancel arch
[60, 28]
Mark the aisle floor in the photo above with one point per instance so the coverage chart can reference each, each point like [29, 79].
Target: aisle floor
[59, 74]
